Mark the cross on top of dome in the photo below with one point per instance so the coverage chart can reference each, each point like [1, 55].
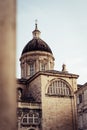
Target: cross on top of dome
[36, 32]
[36, 28]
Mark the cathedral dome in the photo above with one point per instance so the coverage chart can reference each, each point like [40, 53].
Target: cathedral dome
[36, 44]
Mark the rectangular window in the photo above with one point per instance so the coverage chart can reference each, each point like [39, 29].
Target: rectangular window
[77, 100]
[31, 120]
[80, 98]
[32, 69]
[42, 67]
[36, 121]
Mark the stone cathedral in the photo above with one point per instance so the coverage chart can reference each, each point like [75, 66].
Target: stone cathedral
[46, 99]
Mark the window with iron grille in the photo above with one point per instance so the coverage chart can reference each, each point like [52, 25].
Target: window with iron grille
[30, 119]
[59, 88]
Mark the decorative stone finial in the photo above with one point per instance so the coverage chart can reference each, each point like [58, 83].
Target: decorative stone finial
[64, 68]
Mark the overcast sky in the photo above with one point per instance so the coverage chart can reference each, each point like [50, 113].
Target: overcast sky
[63, 26]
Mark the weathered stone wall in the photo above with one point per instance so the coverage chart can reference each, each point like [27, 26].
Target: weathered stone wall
[81, 95]
[34, 89]
[58, 113]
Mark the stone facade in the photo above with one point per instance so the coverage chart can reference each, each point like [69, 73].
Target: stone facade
[82, 106]
[58, 111]
[46, 99]
[37, 59]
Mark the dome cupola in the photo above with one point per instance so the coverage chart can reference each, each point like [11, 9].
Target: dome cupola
[36, 56]
[36, 44]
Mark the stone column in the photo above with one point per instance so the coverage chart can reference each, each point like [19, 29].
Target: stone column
[7, 65]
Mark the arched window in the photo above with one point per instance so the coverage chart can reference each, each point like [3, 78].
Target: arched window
[19, 91]
[30, 119]
[32, 69]
[59, 88]
[43, 67]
